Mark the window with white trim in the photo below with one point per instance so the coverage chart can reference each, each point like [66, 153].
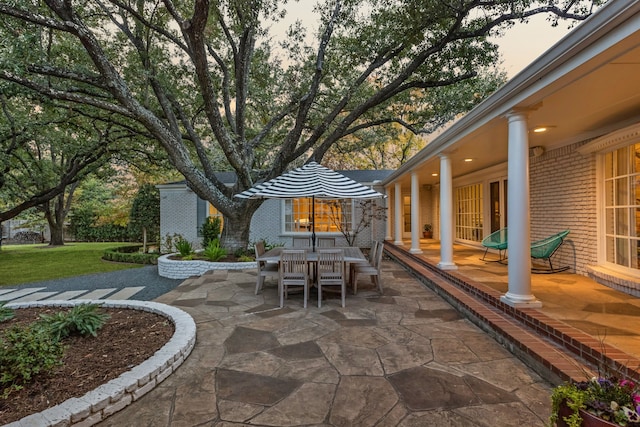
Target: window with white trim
[622, 206]
[469, 212]
[328, 213]
[215, 213]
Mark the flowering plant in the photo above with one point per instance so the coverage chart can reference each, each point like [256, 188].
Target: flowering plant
[613, 400]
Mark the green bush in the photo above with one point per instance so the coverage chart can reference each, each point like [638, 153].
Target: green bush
[6, 313]
[130, 254]
[210, 230]
[81, 319]
[26, 352]
[213, 251]
[184, 248]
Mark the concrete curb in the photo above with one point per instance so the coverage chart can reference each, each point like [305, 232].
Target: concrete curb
[97, 405]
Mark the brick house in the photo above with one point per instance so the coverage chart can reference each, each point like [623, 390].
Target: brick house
[557, 147]
[276, 221]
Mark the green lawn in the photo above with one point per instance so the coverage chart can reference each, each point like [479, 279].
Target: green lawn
[33, 263]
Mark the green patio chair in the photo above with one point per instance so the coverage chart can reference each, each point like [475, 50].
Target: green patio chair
[544, 250]
[496, 240]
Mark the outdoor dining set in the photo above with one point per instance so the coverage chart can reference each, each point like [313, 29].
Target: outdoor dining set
[327, 268]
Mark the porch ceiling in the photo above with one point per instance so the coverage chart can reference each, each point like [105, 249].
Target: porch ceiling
[600, 95]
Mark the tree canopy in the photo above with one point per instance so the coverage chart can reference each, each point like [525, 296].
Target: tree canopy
[211, 84]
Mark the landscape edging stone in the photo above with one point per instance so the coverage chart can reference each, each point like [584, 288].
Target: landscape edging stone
[98, 404]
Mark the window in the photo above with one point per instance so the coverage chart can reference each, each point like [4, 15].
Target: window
[469, 212]
[213, 212]
[622, 206]
[328, 214]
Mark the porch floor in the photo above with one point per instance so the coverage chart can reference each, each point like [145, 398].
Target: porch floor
[609, 316]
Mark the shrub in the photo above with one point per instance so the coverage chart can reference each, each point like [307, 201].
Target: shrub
[213, 251]
[184, 248]
[210, 230]
[168, 246]
[28, 237]
[130, 254]
[82, 319]
[26, 352]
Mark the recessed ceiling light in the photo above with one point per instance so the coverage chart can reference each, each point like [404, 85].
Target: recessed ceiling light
[540, 129]
[468, 160]
[434, 174]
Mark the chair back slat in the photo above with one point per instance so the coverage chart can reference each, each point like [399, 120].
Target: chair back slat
[378, 257]
[301, 242]
[326, 242]
[330, 261]
[293, 263]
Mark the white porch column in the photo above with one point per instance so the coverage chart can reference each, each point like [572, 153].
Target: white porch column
[415, 214]
[519, 293]
[387, 223]
[446, 215]
[398, 217]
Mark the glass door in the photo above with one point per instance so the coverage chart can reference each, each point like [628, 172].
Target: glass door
[406, 216]
[498, 204]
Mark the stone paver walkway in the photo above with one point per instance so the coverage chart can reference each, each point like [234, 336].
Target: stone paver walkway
[406, 358]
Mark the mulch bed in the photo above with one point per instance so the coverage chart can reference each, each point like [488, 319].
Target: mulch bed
[127, 339]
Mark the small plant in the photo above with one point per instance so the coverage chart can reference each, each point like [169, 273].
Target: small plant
[210, 230]
[168, 244]
[428, 228]
[6, 313]
[185, 249]
[213, 251]
[610, 399]
[24, 353]
[82, 319]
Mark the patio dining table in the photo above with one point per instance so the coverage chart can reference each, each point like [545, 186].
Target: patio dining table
[351, 254]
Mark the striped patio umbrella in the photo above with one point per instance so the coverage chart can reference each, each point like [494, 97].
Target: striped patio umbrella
[311, 180]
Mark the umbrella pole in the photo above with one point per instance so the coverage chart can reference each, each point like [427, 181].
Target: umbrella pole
[313, 223]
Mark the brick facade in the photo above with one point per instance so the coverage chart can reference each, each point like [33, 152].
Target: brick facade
[178, 215]
[563, 196]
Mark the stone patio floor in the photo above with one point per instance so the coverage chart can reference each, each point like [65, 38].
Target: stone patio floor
[405, 358]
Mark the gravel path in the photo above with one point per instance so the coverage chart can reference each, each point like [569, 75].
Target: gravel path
[146, 276]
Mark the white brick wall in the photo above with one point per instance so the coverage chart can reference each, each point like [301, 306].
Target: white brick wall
[178, 213]
[563, 196]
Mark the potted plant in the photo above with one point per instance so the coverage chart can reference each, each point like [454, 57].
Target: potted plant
[596, 402]
[427, 231]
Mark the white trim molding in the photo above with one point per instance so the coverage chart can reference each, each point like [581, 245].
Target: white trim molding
[612, 141]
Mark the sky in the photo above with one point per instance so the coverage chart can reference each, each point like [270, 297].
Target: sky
[520, 46]
[523, 43]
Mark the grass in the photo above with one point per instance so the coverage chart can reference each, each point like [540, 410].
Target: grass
[33, 263]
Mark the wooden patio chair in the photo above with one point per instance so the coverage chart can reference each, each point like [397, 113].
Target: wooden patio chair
[545, 248]
[331, 272]
[365, 262]
[265, 269]
[301, 242]
[326, 242]
[496, 240]
[294, 274]
[372, 270]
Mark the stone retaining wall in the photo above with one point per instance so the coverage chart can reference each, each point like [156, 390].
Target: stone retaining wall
[118, 393]
[179, 269]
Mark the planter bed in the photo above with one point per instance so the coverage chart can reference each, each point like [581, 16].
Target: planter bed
[181, 269]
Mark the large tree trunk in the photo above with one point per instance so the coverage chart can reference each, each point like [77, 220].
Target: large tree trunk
[57, 233]
[235, 231]
[55, 211]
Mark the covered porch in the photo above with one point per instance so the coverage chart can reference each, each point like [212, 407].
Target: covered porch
[579, 319]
